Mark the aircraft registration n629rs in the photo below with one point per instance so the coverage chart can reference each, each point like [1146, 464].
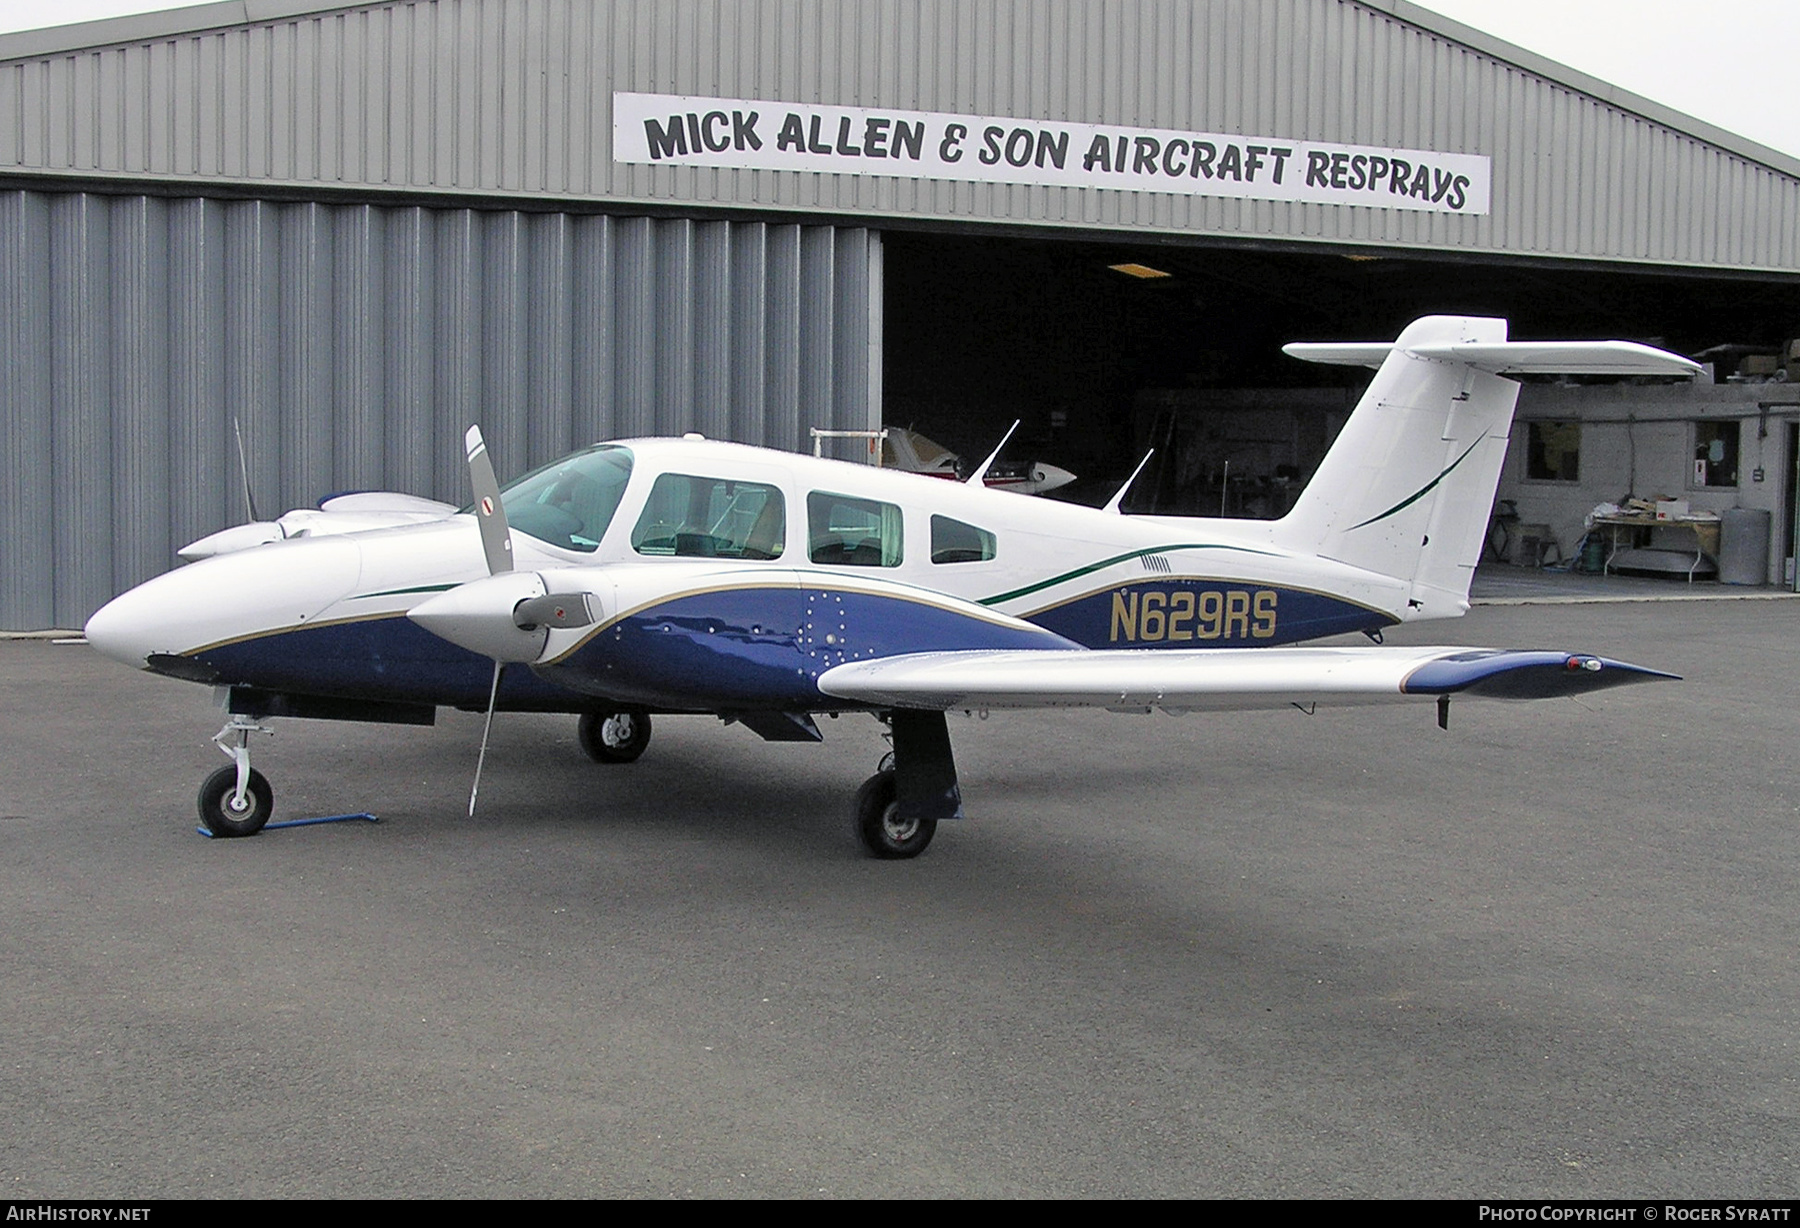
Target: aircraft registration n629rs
[655, 576]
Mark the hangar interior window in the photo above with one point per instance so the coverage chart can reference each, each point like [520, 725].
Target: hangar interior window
[1553, 451]
[952, 541]
[1715, 454]
[569, 502]
[701, 517]
[853, 532]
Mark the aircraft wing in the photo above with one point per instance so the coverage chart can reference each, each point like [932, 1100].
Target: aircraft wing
[1219, 679]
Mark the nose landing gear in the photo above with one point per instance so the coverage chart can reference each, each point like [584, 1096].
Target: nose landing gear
[236, 800]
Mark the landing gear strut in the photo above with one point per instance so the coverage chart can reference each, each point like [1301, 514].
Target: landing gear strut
[236, 800]
[898, 808]
[614, 737]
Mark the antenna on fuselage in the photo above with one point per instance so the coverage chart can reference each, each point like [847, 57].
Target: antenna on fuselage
[975, 479]
[1118, 500]
[244, 470]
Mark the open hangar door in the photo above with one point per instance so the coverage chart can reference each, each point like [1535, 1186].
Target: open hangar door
[1105, 349]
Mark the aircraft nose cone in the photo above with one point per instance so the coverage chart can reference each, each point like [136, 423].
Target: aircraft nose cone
[116, 631]
[228, 597]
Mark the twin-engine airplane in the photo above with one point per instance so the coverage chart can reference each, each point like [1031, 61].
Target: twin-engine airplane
[659, 576]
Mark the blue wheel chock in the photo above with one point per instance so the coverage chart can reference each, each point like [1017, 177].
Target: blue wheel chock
[329, 818]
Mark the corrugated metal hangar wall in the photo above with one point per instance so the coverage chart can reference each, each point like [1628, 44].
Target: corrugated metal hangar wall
[356, 344]
[359, 227]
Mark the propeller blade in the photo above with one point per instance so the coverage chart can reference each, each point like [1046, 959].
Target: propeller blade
[486, 727]
[490, 513]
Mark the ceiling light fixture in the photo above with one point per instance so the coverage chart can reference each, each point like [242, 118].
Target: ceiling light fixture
[1139, 270]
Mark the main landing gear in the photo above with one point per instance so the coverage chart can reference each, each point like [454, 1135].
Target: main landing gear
[898, 808]
[879, 825]
[614, 737]
[236, 800]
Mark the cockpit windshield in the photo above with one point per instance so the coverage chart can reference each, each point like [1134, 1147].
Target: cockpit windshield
[569, 502]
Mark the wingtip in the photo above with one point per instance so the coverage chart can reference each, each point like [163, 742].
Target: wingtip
[1526, 674]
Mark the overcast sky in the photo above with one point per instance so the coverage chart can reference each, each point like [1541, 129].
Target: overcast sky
[1729, 62]
[1732, 63]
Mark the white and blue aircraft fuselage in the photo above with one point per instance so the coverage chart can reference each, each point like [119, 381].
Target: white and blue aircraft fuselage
[688, 575]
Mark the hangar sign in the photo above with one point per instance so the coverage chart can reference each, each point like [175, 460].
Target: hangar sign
[742, 134]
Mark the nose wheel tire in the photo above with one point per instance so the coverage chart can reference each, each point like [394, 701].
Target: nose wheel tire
[879, 825]
[614, 737]
[220, 810]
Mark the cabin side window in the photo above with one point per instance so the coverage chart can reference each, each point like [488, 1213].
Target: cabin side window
[952, 541]
[701, 517]
[847, 531]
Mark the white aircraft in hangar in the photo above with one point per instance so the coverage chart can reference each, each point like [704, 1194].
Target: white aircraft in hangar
[657, 576]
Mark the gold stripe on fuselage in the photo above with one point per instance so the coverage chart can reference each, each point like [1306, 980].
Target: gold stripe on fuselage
[274, 631]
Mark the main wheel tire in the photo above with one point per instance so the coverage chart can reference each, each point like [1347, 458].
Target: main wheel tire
[879, 825]
[221, 817]
[614, 737]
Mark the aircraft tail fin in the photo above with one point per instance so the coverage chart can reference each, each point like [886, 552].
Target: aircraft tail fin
[1407, 487]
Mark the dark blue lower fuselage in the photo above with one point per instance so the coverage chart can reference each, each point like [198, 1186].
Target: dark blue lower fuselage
[759, 647]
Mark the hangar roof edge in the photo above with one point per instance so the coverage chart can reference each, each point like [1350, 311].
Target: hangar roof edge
[222, 14]
[1575, 79]
[159, 23]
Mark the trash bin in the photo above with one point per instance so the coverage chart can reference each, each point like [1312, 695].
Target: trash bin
[1744, 546]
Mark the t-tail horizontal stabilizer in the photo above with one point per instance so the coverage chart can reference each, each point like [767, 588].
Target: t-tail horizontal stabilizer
[1510, 357]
